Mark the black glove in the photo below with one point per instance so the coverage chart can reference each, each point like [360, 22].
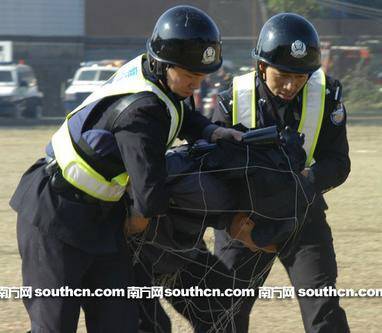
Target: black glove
[292, 142]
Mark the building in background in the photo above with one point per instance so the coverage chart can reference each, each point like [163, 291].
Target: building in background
[48, 35]
[54, 36]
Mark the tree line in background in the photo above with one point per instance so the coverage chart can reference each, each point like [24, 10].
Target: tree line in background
[362, 81]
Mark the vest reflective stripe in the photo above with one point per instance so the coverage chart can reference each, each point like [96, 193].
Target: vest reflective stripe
[78, 173]
[129, 79]
[313, 106]
[244, 100]
[244, 107]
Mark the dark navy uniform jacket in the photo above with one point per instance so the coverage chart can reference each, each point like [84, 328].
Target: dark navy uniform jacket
[332, 151]
[137, 143]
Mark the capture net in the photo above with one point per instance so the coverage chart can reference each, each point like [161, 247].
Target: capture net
[209, 189]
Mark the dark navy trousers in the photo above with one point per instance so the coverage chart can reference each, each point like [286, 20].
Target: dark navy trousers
[47, 262]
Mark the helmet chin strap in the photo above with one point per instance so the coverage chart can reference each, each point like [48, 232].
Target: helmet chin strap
[159, 70]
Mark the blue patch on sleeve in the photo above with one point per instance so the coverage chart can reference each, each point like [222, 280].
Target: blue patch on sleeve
[338, 116]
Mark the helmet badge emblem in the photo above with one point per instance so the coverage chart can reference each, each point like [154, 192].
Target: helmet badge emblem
[208, 55]
[298, 49]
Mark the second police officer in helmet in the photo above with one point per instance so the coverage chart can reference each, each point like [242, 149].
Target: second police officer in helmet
[289, 88]
[71, 205]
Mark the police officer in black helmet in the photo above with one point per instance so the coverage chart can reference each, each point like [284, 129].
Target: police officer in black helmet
[276, 45]
[290, 89]
[72, 204]
[185, 36]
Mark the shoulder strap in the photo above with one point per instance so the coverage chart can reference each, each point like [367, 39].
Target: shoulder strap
[123, 103]
[111, 167]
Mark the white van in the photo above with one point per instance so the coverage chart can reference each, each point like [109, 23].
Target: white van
[19, 92]
[87, 79]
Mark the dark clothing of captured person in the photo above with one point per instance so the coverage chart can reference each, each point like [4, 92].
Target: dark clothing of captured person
[312, 262]
[208, 191]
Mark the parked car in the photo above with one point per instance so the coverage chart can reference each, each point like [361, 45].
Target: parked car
[88, 78]
[19, 92]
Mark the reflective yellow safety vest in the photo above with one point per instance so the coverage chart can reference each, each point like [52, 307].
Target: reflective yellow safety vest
[129, 79]
[313, 106]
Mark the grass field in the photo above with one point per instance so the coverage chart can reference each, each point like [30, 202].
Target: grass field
[355, 216]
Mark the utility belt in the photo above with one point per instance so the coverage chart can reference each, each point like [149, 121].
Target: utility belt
[61, 186]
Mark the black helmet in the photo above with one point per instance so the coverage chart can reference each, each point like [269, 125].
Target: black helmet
[186, 37]
[290, 43]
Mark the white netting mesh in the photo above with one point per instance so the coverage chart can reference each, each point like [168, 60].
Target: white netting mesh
[198, 266]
